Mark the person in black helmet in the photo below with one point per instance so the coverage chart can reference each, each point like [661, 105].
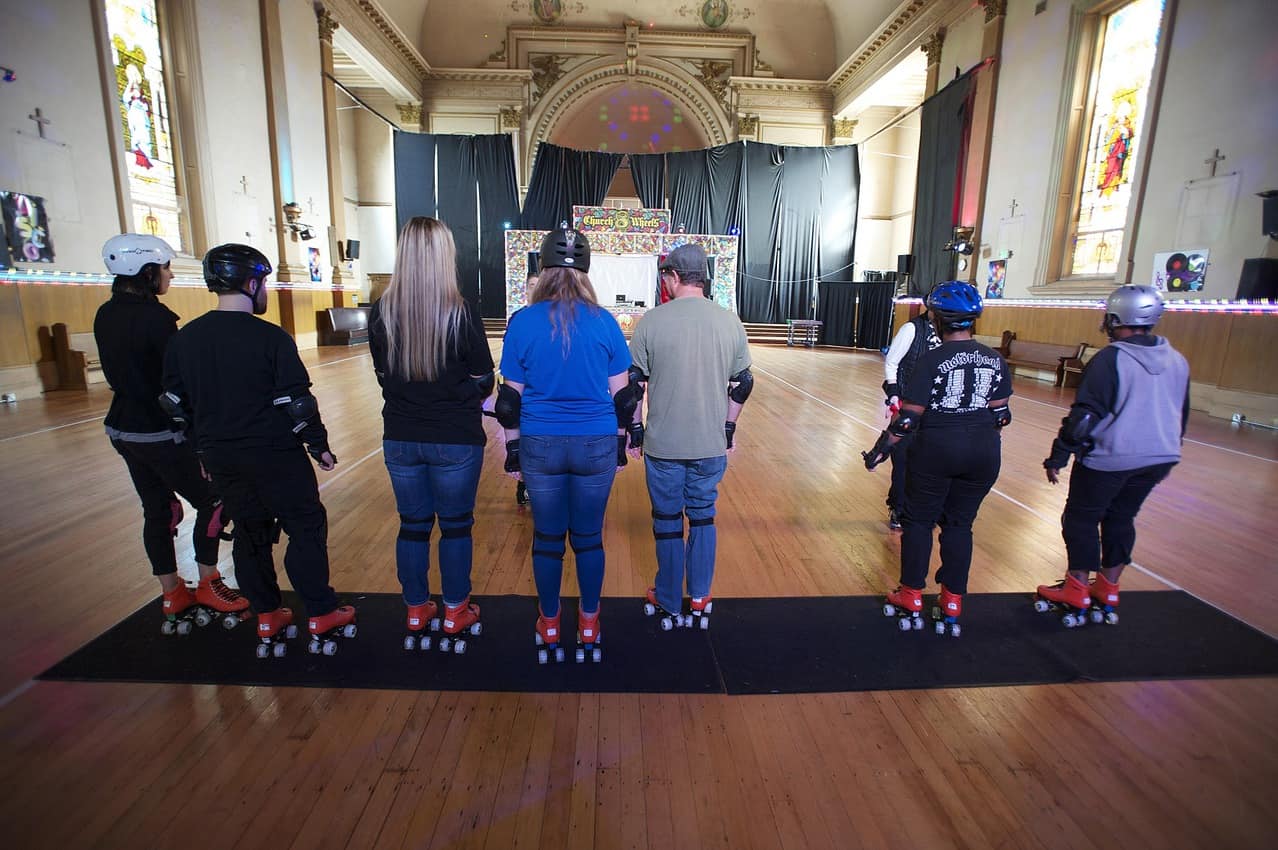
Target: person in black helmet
[132, 330]
[955, 406]
[238, 387]
[1125, 430]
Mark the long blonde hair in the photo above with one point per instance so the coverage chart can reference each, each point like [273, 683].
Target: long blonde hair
[422, 309]
[566, 288]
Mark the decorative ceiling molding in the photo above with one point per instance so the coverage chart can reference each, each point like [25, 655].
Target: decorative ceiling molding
[897, 21]
[379, 37]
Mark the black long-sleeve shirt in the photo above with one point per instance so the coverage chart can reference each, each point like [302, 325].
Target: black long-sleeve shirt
[231, 368]
[132, 332]
[446, 410]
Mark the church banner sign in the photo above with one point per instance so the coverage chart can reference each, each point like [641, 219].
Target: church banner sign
[595, 219]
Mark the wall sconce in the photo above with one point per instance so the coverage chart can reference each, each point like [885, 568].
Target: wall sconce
[293, 221]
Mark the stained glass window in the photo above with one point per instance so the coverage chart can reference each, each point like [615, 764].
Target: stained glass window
[1128, 42]
[134, 32]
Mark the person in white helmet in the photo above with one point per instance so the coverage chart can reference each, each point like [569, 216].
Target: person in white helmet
[132, 330]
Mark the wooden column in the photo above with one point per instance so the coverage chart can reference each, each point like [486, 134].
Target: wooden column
[332, 145]
[978, 161]
[279, 141]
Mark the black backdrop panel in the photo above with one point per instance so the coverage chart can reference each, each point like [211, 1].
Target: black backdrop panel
[761, 186]
[945, 124]
[845, 324]
[649, 173]
[414, 176]
[498, 208]
[459, 206]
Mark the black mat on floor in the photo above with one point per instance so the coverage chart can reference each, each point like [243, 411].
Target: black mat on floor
[792, 645]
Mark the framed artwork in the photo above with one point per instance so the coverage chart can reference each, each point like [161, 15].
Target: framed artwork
[997, 275]
[1180, 271]
[26, 228]
[316, 264]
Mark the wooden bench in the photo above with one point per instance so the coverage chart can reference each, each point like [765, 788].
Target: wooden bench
[1072, 369]
[342, 325]
[68, 361]
[1042, 356]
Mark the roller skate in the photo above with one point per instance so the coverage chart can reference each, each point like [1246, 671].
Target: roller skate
[274, 627]
[340, 622]
[946, 612]
[589, 637]
[460, 620]
[221, 601]
[1069, 595]
[421, 618]
[668, 620]
[700, 606]
[894, 520]
[906, 604]
[1104, 595]
[521, 495]
[547, 637]
[181, 610]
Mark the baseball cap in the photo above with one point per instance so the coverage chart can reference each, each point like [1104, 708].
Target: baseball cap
[687, 260]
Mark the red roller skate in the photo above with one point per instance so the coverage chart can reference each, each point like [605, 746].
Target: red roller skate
[460, 620]
[700, 606]
[181, 609]
[1069, 595]
[668, 620]
[420, 619]
[273, 628]
[547, 637]
[906, 604]
[946, 613]
[325, 629]
[1104, 595]
[222, 601]
[589, 637]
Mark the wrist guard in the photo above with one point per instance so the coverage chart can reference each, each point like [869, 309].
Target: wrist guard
[890, 390]
[1060, 456]
[730, 431]
[622, 460]
[317, 451]
[635, 430]
[512, 456]
[879, 452]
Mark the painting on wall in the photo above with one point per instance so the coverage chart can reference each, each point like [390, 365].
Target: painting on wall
[547, 11]
[1180, 271]
[316, 264]
[997, 275]
[714, 13]
[26, 227]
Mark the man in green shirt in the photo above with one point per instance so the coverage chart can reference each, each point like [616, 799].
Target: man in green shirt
[692, 357]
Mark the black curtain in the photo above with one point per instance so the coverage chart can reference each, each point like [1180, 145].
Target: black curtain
[799, 237]
[944, 129]
[761, 203]
[562, 178]
[856, 314]
[649, 174]
[840, 190]
[705, 188]
[457, 190]
[498, 210]
[414, 176]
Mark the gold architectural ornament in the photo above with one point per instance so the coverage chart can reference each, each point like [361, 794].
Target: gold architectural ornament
[409, 113]
[327, 25]
[760, 65]
[994, 9]
[632, 47]
[713, 74]
[886, 34]
[511, 117]
[547, 69]
[932, 47]
[499, 55]
[844, 127]
[747, 125]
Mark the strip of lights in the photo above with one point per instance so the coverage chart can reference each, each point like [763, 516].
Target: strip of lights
[60, 278]
[1176, 306]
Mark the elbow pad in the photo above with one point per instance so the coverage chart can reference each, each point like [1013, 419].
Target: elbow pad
[628, 397]
[299, 409]
[744, 385]
[175, 409]
[1076, 430]
[507, 407]
[485, 384]
[1002, 416]
[905, 423]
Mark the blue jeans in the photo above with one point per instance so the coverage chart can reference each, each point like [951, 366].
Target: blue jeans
[569, 479]
[432, 479]
[678, 487]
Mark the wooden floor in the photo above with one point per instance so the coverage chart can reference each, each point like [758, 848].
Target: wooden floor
[1151, 765]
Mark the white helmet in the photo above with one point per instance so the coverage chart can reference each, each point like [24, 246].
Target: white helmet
[127, 253]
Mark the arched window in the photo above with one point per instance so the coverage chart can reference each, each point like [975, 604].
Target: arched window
[150, 159]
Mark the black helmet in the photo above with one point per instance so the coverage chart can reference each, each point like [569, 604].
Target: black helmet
[565, 249]
[227, 267]
[1133, 307]
[955, 304]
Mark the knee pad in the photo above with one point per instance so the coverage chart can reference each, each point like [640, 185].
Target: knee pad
[175, 516]
[556, 540]
[585, 541]
[459, 526]
[700, 521]
[416, 535]
[213, 521]
[658, 516]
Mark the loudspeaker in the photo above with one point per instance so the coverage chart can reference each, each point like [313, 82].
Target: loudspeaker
[1269, 217]
[904, 264]
[1259, 279]
[534, 262]
[352, 249]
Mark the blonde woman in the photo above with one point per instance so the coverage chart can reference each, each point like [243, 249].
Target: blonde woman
[563, 360]
[435, 368]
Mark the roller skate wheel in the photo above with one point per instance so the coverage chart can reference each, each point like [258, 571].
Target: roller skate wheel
[279, 649]
[537, 637]
[649, 609]
[202, 618]
[445, 644]
[476, 629]
[667, 624]
[596, 655]
[955, 630]
[903, 624]
[889, 609]
[184, 627]
[410, 643]
[1070, 621]
[459, 648]
[425, 645]
[290, 631]
[230, 621]
[916, 623]
[1098, 616]
[705, 623]
[349, 630]
[709, 607]
[168, 627]
[263, 650]
[1111, 618]
[314, 647]
[940, 627]
[542, 656]
[330, 647]
[1042, 606]
[559, 655]
[581, 655]
[434, 624]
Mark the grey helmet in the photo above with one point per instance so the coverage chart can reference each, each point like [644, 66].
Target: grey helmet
[1133, 307]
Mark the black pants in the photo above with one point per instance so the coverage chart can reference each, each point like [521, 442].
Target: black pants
[260, 487]
[1099, 523]
[896, 491]
[161, 471]
[950, 471]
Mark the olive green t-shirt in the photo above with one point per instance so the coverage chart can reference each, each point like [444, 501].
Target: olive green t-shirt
[688, 348]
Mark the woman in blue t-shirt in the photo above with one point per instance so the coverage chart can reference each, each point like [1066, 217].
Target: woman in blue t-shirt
[433, 362]
[563, 360]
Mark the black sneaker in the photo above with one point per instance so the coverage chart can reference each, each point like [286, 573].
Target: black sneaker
[894, 520]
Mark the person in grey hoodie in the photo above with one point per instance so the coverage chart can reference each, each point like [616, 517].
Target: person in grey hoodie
[1125, 428]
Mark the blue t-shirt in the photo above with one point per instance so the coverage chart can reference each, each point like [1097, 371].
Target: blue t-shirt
[565, 391]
